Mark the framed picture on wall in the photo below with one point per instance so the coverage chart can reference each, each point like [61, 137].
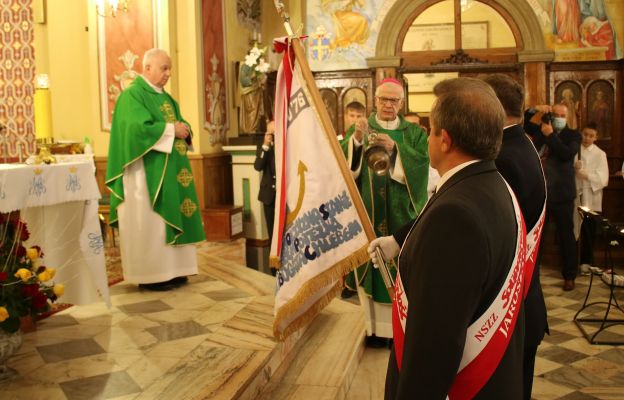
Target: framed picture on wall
[215, 72]
[122, 41]
[600, 102]
[570, 94]
[330, 99]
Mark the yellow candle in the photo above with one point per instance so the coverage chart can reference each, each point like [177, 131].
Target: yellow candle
[43, 114]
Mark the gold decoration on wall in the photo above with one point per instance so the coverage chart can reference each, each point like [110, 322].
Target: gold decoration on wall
[215, 99]
[124, 79]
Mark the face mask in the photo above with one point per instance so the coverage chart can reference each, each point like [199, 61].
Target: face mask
[559, 123]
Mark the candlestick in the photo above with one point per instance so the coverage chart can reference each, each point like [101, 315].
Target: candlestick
[43, 120]
[43, 117]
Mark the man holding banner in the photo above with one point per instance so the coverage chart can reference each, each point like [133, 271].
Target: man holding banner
[391, 197]
[458, 315]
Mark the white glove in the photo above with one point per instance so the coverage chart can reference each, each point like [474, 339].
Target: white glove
[389, 247]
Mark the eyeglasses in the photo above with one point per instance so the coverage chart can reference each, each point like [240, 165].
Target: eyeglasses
[388, 100]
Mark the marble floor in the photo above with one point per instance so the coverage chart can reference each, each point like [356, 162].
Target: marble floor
[210, 339]
[567, 366]
[213, 331]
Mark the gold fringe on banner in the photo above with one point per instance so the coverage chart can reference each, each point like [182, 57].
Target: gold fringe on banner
[275, 262]
[324, 279]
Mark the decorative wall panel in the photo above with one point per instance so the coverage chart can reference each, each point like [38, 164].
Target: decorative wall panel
[122, 41]
[17, 75]
[215, 79]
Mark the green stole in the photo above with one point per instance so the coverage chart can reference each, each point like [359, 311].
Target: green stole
[391, 204]
[139, 120]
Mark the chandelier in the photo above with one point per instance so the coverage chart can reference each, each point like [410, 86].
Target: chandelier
[105, 8]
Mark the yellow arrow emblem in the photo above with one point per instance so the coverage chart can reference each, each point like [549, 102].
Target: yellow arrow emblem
[301, 170]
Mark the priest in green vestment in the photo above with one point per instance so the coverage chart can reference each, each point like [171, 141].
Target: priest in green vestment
[392, 199]
[153, 198]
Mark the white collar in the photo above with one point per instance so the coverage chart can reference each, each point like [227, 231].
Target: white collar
[452, 172]
[390, 125]
[589, 148]
[156, 88]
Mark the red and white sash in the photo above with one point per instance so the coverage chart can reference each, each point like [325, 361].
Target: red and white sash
[486, 338]
[533, 241]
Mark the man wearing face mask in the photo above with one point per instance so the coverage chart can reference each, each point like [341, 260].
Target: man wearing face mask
[558, 146]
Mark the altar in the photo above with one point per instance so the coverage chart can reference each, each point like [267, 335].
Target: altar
[59, 203]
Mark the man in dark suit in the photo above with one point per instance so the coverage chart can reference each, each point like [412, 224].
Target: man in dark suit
[458, 258]
[265, 162]
[558, 146]
[519, 164]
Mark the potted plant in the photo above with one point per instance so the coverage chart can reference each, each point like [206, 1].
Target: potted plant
[26, 287]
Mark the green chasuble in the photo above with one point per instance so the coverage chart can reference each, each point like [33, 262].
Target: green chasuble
[139, 121]
[391, 204]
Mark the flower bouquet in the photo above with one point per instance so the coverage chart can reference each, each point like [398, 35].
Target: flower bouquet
[25, 284]
[255, 68]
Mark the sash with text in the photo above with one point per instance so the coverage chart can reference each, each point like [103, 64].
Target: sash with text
[487, 337]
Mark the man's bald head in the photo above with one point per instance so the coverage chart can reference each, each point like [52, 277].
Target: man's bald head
[157, 67]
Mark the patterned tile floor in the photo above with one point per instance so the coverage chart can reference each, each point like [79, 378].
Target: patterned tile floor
[93, 353]
[143, 345]
[567, 366]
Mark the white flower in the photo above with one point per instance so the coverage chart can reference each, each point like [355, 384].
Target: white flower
[250, 60]
[256, 52]
[262, 67]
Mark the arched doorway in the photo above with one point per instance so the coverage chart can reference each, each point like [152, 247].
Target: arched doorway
[424, 41]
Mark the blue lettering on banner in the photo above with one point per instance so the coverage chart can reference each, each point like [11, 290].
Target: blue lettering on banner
[315, 233]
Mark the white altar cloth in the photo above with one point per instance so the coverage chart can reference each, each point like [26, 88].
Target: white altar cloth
[59, 202]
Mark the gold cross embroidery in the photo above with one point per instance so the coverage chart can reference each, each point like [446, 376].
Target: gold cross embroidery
[188, 207]
[180, 146]
[185, 177]
[168, 113]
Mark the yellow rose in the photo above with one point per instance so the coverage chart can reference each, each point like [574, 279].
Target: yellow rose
[24, 274]
[32, 253]
[4, 314]
[58, 289]
[47, 274]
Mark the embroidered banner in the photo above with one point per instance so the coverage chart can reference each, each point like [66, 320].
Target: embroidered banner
[319, 233]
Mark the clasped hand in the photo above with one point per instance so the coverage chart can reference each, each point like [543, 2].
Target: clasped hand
[182, 130]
